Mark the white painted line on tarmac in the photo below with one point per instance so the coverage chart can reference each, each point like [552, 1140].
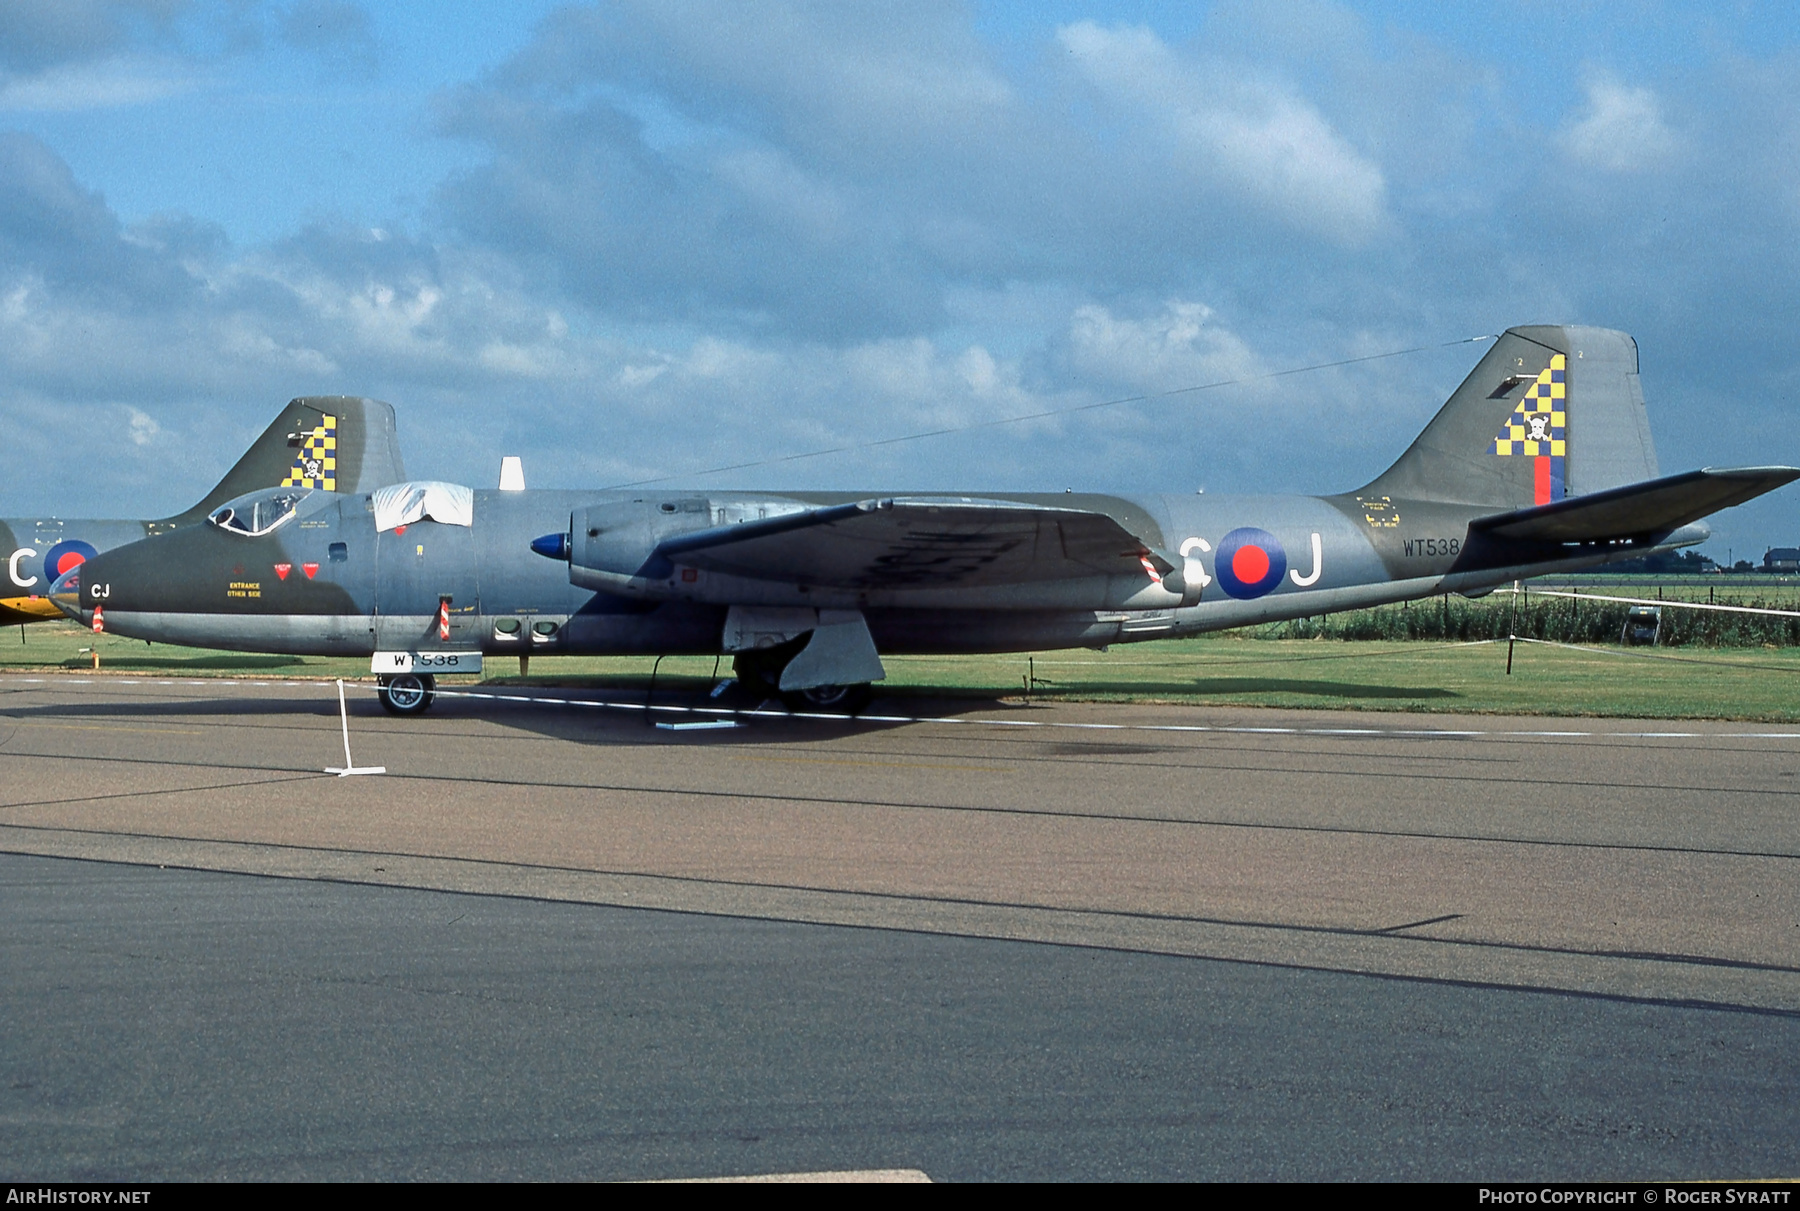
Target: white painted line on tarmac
[860, 1177]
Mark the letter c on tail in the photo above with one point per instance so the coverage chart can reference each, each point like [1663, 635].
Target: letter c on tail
[12, 567]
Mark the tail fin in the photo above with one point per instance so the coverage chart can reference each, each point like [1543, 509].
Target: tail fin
[1550, 412]
[341, 443]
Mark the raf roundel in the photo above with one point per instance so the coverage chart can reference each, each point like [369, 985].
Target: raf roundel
[70, 553]
[1250, 563]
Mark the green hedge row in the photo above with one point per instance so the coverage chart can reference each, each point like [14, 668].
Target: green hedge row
[1559, 619]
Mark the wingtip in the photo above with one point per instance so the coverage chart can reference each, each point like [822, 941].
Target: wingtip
[1772, 471]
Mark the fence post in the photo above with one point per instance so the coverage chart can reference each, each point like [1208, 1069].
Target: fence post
[1512, 627]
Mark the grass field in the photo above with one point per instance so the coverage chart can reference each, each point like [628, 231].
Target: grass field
[1232, 668]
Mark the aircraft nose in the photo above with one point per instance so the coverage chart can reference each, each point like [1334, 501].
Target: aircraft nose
[65, 592]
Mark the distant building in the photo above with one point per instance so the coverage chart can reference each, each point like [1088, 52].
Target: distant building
[1781, 559]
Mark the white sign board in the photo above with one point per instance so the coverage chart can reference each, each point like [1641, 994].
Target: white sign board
[436, 663]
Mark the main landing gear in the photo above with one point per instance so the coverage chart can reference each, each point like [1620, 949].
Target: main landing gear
[829, 699]
[406, 693]
[760, 672]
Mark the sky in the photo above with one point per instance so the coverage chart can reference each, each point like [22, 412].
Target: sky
[639, 240]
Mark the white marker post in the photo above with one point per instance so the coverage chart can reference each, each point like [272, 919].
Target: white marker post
[350, 766]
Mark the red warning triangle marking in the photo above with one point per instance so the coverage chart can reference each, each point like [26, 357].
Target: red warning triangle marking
[311, 569]
[282, 569]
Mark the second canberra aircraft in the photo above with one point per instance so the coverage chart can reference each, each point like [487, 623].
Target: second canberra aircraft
[1541, 461]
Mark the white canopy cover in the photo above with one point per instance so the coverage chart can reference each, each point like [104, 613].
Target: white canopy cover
[403, 504]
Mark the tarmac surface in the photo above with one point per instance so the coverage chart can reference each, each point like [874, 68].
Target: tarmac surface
[1007, 940]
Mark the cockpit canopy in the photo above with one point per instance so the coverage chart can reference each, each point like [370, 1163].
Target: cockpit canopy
[258, 513]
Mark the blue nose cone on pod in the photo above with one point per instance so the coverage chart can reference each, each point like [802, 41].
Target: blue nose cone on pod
[552, 546]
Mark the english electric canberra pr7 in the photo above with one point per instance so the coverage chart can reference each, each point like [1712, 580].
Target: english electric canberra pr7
[1540, 462]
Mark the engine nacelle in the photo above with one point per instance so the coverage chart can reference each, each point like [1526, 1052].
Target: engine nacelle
[617, 538]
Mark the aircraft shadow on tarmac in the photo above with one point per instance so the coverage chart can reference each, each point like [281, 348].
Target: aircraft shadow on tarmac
[633, 712]
[560, 714]
[188, 664]
[1287, 685]
[562, 711]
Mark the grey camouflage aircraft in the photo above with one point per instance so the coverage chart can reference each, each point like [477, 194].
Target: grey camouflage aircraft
[1540, 462]
[334, 442]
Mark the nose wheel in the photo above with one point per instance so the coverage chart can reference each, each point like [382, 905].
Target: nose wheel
[406, 693]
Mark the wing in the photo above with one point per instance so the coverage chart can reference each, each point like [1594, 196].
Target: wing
[1652, 507]
[913, 543]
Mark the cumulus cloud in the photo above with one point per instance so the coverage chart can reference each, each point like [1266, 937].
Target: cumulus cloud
[1182, 346]
[847, 80]
[142, 427]
[68, 56]
[101, 84]
[36, 34]
[96, 314]
[71, 55]
[1251, 135]
[1621, 129]
[852, 400]
[697, 234]
[834, 173]
[734, 234]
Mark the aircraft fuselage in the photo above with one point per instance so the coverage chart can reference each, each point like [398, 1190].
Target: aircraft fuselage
[39, 549]
[326, 582]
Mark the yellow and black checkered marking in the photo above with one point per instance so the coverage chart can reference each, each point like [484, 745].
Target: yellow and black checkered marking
[1536, 425]
[316, 464]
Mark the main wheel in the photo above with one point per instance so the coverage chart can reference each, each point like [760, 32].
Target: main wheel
[759, 671]
[407, 693]
[830, 699]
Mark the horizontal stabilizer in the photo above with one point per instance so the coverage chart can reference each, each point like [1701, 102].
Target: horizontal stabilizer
[916, 543]
[1652, 507]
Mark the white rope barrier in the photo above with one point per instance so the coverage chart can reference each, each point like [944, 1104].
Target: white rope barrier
[1685, 605]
